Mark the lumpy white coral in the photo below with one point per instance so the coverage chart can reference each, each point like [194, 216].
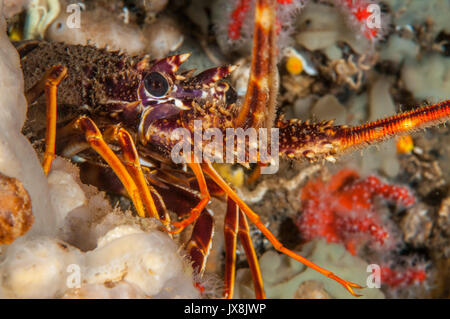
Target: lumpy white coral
[17, 157]
[145, 266]
[36, 268]
[106, 253]
[98, 28]
[102, 29]
[133, 262]
[130, 258]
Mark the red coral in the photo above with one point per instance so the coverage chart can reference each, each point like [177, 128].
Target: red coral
[237, 19]
[405, 277]
[343, 210]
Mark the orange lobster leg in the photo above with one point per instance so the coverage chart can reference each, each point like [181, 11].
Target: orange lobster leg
[230, 234]
[207, 167]
[236, 223]
[55, 76]
[252, 259]
[196, 211]
[95, 139]
[200, 243]
[131, 161]
[48, 84]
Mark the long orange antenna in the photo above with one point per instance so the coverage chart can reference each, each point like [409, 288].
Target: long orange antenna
[299, 140]
[258, 109]
[399, 124]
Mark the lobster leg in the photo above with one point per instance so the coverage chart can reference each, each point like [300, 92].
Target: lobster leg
[230, 235]
[252, 259]
[207, 167]
[205, 198]
[236, 224]
[179, 199]
[199, 245]
[131, 161]
[48, 84]
[95, 139]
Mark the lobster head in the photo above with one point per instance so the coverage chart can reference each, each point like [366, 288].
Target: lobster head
[163, 92]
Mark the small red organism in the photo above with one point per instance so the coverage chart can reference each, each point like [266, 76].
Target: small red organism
[237, 19]
[402, 278]
[200, 287]
[343, 210]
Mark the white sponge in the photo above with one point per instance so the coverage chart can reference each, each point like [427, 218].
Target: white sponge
[127, 260]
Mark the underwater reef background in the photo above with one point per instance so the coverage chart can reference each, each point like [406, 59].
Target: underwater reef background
[386, 205]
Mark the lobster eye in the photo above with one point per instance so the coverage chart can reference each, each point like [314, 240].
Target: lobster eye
[156, 84]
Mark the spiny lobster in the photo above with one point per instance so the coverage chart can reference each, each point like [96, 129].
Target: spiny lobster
[128, 107]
